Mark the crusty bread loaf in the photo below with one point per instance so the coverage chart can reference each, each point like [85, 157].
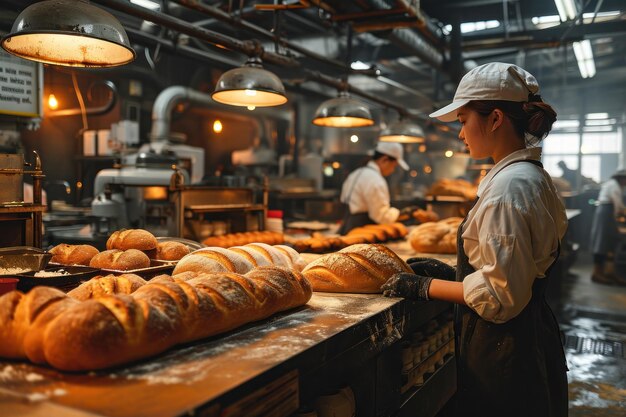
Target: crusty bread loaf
[132, 239]
[454, 187]
[360, 268]
[73, 254]
[171, 251]
[239, 239]
[47, 326]
[239, 259]
[425, 216]
[436, 237]
[120, 260]
[107, 285]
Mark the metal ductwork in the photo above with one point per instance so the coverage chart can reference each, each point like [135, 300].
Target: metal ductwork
[410, 40]
[165, 103]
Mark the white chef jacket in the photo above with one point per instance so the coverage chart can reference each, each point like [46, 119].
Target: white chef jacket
[511, 236]
[370, 194]
[611, 192]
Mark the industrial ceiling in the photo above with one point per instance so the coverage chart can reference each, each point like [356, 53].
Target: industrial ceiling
[412, 52]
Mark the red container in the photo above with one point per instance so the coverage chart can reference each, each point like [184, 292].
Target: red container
[8, 285]
[274, 214]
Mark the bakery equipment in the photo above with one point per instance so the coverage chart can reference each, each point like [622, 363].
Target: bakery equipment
[21, 222]
[135, 196]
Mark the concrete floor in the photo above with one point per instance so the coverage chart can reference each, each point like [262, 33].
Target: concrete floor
[593, 319]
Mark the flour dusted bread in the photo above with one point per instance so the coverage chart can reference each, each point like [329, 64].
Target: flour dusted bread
[454, 187]
[360, 268]
[65, 254]
[239, 259]
[48, 326]
[120, 260]
[171, 251]
[132, 239]
[436, 237]
[106, 285]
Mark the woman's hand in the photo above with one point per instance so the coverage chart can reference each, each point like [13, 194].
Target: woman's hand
[405, 285]
[430, 267]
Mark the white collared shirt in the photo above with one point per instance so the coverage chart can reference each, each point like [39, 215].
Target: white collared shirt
[511, 236]
[611, 192]
[370, 194]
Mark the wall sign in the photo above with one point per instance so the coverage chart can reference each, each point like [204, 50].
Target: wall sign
[21, 86]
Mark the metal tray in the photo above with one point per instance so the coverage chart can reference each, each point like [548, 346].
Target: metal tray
[27, 258]
[77, 275]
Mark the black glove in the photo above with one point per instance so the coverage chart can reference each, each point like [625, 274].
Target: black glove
[405, 285]
[430, 267]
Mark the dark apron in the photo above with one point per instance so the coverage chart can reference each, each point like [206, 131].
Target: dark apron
[516, 368]
[604, 232]
[351, 221]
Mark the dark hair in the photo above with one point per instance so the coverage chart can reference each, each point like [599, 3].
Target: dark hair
[533, 118]
[378, 155]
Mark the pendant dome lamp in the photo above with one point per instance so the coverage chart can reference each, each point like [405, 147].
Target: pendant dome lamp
[250, 85]
[402, 131]
[70, 33]
[343, 111]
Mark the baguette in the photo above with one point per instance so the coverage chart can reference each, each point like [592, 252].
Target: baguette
[132, 239]
[65, 254]
[47, 326]
[106, 285]
[360, 268]
[239, 259]
[120, 260]
[240, 239]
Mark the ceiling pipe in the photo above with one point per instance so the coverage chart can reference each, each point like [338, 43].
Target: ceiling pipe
[165, 103]
[90, 111]
[240, 23]
[250, 48]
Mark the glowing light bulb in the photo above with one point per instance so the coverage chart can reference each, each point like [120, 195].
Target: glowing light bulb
[217, 126]
[449, 154]
[354, 138]
[251, 108]
[250, 92]
[53, 103]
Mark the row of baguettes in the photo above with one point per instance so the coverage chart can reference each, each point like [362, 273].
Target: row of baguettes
[371, 233]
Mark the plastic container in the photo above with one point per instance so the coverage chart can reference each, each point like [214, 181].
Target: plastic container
[8, 285]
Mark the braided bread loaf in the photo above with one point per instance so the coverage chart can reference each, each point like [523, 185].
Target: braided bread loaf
[65, 254]
[360, 268]
[239, 259]
[47, 326]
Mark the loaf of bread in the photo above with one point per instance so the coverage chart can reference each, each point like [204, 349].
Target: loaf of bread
[360, 268]
[454, 187]
[239, 239]
[380, 232]
[107, 285]
[132, 239]
[425, 216]
[171, 251]
[47, 326]
[436, 237]
[239, 259]
[120, 260]
[65, 254]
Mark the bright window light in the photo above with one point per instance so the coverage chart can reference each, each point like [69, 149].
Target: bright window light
[584, 57]
[564, 124]
[600, 122]
[148, 4]
[566, 8]
[596, 116]
[598, 128]
[358, 65]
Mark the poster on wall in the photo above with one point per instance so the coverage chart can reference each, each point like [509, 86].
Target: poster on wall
[21, 86]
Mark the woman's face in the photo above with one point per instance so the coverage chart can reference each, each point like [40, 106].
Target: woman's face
[474, 133]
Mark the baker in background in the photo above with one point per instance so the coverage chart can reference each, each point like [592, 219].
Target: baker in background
[365, 192]
[604, 231]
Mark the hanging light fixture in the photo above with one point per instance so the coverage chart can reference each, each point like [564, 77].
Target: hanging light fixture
[343, 111]
[402, 131]
[250, 85]
[71, 33]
